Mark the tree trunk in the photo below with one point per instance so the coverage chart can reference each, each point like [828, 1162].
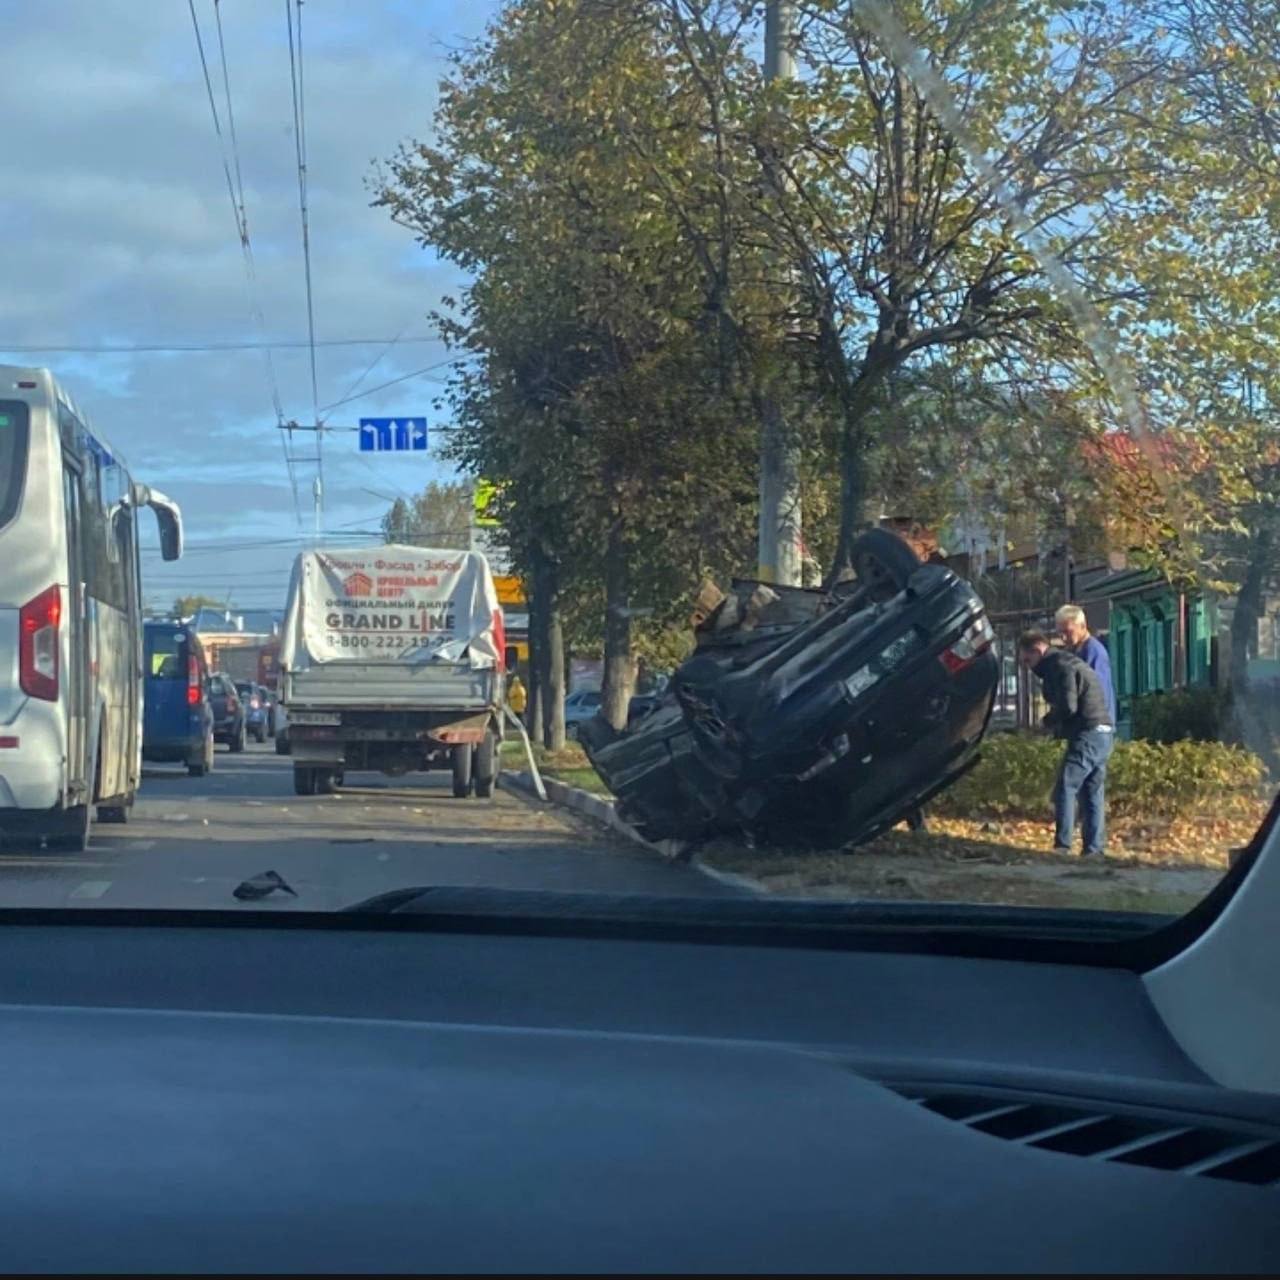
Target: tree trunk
[853, 496]
[550, 647]
[619, 663]
[553, 692]
[533, 711]
[856, 394]
[1248, 610]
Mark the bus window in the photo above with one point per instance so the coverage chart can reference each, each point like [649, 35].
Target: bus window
[14, 420]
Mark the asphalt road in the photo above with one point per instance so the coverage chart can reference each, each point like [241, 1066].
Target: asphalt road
[191, 841]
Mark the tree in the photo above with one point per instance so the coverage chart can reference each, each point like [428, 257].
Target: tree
[185, 606]
[439, 516]
[602, 402]
[899, 249]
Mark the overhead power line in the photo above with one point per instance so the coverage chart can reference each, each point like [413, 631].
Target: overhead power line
[382, 386]
[235, 192]
[297, 80]
[368, 369]
[147, 348]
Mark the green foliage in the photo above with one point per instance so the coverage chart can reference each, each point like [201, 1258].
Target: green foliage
[185, 606]
[439, 516]
[1015, 777]
[1197, 715]
[657, 243]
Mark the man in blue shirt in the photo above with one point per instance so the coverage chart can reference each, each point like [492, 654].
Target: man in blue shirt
[1073, 627]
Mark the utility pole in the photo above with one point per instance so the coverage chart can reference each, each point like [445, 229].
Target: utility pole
[780, 558]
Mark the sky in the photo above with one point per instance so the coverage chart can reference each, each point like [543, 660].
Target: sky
[116, 229]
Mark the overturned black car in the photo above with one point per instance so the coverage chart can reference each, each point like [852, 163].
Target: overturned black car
[810, 718]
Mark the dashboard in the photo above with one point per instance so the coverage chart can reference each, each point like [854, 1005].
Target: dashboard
[285, 1095]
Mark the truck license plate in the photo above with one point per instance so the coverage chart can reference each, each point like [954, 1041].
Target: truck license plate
[315, 717]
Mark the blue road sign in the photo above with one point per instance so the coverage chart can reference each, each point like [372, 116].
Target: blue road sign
[393, 435]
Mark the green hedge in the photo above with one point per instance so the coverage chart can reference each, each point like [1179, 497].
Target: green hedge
[1014, 779]
[1199, 715]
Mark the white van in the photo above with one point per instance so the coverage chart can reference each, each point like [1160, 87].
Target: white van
[70, 616]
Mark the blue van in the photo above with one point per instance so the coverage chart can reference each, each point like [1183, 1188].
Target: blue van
[177, 721]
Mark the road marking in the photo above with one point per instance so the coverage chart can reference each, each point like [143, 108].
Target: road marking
[18, 861]
[90, 889]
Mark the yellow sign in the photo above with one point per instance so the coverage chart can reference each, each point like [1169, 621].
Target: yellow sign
[510, 590]
[482, 502]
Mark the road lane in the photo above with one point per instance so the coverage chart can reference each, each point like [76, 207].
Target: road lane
[192, 840]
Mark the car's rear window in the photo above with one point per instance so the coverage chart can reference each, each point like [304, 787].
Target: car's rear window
[166, 654]
[15, 418]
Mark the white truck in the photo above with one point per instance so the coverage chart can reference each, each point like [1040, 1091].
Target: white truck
[392, 659]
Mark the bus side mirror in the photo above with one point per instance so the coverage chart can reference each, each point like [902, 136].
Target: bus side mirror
[168, 517]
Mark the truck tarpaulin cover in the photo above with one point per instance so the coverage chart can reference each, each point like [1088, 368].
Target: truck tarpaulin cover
[392, 604]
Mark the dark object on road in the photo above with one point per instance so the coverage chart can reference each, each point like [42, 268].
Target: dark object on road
[811, 718]
[261, 886]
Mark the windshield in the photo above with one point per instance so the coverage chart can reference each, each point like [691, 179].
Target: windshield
[838, 436]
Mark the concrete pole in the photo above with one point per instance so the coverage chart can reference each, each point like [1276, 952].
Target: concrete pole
[780, 558]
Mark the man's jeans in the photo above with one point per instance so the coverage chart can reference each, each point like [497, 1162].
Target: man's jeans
[1084, 775]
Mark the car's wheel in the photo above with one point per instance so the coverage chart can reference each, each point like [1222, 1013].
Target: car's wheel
[326, 780]
[237, 743]
[282, 745]
[115, 814]
[485, 765]
[260, 735]
[304, 780]
[199, 768]
[460, 759]
[883, 561]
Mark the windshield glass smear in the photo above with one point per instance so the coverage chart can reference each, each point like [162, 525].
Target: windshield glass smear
[839, 436]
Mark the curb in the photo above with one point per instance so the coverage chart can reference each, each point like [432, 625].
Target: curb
[602, 811]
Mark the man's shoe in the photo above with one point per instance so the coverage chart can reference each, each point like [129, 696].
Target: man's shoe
[1097, 854]
[1062, 848]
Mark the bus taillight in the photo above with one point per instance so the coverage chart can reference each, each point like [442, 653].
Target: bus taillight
[38, 622]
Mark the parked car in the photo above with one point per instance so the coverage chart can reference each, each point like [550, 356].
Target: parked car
[823, 731]
[228, 712]
[640, 706]
[177, 718]
[581, 705]
[253, 697]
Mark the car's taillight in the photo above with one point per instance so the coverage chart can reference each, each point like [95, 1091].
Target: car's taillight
[38, 622]
[193, 682]
[975, 641]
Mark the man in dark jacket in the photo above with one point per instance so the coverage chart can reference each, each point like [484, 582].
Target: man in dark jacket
[1079, 713]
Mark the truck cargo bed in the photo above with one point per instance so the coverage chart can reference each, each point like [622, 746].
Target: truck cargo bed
[382, 686]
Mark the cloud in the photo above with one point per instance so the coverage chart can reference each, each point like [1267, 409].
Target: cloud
[116, 227]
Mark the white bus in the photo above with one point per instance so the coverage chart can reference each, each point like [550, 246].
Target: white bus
[70, 616]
